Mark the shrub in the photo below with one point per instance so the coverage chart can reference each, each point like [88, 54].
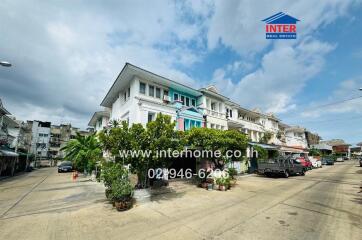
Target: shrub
[232, 172]
[121, 190]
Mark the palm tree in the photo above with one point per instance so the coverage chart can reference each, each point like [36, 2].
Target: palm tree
[83, 151]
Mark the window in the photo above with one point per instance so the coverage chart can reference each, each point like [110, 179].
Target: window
[40, 134]
[187, 101]
[193, 102]
[125, 96]
[129, 92]
[183, 100]
[165, 93]
[158, 92]
[45, 135]
[175, 96]
[230, 113]
[213, 106]
[151, 116]
[212, 125]
[151, 91]
[142, 88]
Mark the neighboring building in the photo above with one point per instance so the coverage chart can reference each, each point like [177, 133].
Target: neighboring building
[340, 147]
[312, 138]
[60, 135]
[40, 139]
[99, 120]
[295, 137]
[8, 158]
[323, 147]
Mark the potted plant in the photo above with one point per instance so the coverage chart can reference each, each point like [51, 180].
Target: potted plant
[221, 182]
[216, 185]
[122, 193]
[210, 184]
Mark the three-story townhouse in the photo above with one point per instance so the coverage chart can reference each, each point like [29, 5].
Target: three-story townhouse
[137, 96]
[213, 108]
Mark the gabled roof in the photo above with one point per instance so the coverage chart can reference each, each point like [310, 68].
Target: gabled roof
[3, 111]
[280, 18]
[96, 116]
[127, 74]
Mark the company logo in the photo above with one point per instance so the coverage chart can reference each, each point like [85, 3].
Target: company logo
[280, 26]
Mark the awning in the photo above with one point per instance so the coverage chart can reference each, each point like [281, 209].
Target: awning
[6, 153]
[265, 146]
[292, 150]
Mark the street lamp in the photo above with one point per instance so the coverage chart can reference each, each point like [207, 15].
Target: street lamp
[5, 64]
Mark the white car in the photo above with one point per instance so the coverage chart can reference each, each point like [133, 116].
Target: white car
[316, 163]
[340, 159]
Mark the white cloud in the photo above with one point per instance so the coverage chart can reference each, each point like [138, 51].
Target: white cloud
[346, 98]
[283, 73]
[66, 55]
[238, 24]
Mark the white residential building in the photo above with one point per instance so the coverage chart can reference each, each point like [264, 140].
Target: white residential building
[295, 137]
[40, 138]
[100, 120]
[137, 96]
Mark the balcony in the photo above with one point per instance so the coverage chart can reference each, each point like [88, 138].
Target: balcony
[215, 113]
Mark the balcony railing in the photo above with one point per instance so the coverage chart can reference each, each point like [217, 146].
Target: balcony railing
[215, 113]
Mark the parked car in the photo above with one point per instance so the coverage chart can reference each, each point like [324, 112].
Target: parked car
[281, 165]
[345, 158]
[316, 163]
[327, 161]
[303, 160]
[360, 162]
[340, 159]
[65, 167]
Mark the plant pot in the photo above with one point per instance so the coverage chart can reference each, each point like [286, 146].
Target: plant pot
[123, 204]
[216, 187]
[222, 188]
[209, 186]
[142, 195]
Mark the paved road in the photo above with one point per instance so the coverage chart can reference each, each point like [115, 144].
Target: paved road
[324, 204]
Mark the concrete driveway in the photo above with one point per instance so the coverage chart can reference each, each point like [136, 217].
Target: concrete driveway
[324, 204]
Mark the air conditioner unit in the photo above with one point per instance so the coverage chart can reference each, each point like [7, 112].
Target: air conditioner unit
[166, 98]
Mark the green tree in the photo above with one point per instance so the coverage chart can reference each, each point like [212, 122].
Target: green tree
[266, 137]
[158, 135]
[217, 140]
[83, 151]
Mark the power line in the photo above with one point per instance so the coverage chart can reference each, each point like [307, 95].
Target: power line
[333, 120]
[333, 103]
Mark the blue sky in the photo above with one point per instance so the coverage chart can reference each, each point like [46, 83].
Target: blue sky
[66, 55]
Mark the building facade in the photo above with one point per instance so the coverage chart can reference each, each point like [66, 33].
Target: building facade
[138, 95]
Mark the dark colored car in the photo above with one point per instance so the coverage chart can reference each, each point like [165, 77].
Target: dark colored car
[281, 165]
[327, 161]
[65, 167]
[360, 162]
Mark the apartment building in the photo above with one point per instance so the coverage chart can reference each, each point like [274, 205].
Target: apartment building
[40, 132]
[60, 135]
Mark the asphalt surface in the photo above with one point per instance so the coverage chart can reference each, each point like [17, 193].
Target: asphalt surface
[324, 204]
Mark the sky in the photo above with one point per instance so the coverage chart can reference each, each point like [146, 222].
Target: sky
[67, 54]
